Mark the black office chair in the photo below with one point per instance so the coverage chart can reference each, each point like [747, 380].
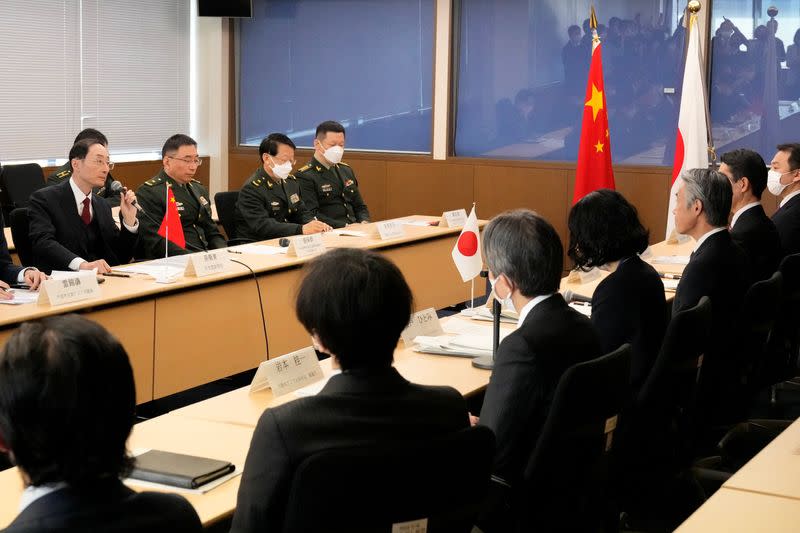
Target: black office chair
[369, 488]
[20, 232]
[17, 183]
[784, 343]
[567, 474]
[226, 211]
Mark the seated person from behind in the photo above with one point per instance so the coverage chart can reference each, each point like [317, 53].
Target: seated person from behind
[200, 232]
[629, 305]
[269, 204]
[783, 180]
[329, 187]
[67, 408]
[354, 303]
[524, 256]
[64, 172]
[71, 228]
[750, 227]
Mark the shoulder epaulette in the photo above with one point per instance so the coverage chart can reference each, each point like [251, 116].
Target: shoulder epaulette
[343, 163]
[154, 181]
[292, 176]
[256, 182]
[303, 169]
[196, 181]
[63, 173]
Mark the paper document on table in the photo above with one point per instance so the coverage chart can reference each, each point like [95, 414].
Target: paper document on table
[423, 223]
[465, 327]
[670, 259]
[459, 345]
[260, 249]
[316, 387]
[583, 308]
[153, 270]
[484, 314]
[21, 296]
[671, 284]
[349, 233]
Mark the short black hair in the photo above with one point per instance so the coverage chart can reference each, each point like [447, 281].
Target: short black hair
[794, 154]
[526, 248]
[328, 125]
[91, 133]
[604, 227]
[270, 144]
[748, 164]
[357, 302]
[574, 28]
[67, 401]
[174, 143]
[81, 148]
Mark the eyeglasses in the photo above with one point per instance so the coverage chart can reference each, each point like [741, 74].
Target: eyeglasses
[102, 162]
[188, 160]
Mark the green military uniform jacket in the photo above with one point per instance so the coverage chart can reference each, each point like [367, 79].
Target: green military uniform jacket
[267, 209]
[64, 172]
[199, 229]
[331, 194]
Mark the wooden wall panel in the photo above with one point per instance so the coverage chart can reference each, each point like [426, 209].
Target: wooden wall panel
[134, 173]
[427, 188]
[649, 192]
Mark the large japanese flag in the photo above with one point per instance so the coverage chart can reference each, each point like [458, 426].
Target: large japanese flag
[467, 251]
[691, 145]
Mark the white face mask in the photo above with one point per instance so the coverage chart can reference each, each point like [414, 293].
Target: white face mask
[281, 171]
[506, 302]
[774, 182]
[334, 154]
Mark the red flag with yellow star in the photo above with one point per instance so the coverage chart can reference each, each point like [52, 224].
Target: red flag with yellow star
[171, 227]
[594, 154]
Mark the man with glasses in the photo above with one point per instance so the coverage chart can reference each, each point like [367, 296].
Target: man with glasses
[72, 228]
[64, 172]
[200, 232]
[269, 204]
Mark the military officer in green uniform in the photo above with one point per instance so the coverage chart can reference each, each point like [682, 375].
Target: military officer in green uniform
[329, 187]
[64, 172]
[269, 204]
[199, 229]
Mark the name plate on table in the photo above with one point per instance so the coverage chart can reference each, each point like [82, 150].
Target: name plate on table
[390, 229]
[454, 219]
[68, 289]
[425, 323]
[288, 372]
[581, 277]
[206, 263]
[306, 245]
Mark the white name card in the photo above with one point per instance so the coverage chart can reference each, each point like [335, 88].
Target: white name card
[414, 526]
[207, 263]
[581, 277]
[306, 245]
[288, 372]
[677, 238]
[390, 229]
[454, 219]
[425, 323]
[66, 289]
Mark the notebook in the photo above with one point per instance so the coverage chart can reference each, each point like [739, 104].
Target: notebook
[178, 470]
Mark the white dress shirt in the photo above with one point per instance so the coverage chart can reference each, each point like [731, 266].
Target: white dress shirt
[702, 239]
[31, 493]
[788, 197]
[741, 210]
[523, 313]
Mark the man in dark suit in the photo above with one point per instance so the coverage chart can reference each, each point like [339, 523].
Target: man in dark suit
[11, 273]
[783, 181]
[719, 269]
[67, 408]
[525, 259]
[72, 228]
[750, 227]
[368, 403]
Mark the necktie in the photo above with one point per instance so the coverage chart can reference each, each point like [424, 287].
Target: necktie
[86, 214]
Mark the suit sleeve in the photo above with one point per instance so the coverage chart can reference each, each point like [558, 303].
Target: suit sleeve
[308, 192]
[8, 270]
[690, 287]
[264, 489]
[608, 314]
[46, 247]
[152, 242]
[257, 218]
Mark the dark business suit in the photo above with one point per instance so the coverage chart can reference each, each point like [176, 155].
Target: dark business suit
[9, 272]
[58, 235]
[629, 307]
[356, 408]
[757, 235]
[787, 220]
[528, 365]
[106, 507]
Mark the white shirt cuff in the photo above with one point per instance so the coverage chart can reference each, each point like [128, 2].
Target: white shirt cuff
[21, 275]
[132, 229]
[75, 264]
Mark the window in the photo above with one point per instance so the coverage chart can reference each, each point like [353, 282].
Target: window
[119, 66]
[367, 64]
[521, 83]
[755, 88]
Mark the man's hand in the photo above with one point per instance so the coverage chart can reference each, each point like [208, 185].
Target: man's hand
[34, 278]
[4, 294]
[315, 226]
[126, 207]
[101, 266]
[473, 420]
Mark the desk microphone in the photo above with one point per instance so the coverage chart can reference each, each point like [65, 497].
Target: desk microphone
[487, 362]
[283, 241]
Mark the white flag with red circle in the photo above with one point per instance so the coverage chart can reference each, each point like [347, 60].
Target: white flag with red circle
[467, 251]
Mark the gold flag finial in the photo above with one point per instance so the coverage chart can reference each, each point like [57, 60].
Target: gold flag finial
[592, 19]
[694, 7]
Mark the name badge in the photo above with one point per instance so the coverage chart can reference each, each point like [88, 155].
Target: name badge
[68, 288]
[288, 372]
[306, 245]
[206, 263]
[294, 198]
[424, 322]
[348, 183]
[454, 219]
[326, 187]
[390, 229]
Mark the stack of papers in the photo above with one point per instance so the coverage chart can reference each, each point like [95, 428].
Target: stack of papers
[459, 345]
[671, 259]
[485, 314]
[21, 296]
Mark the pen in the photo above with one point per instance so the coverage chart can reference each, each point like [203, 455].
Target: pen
[234, 251]
[115, 275]
[669, 276]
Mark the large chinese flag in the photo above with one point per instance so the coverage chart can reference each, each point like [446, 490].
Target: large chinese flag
[594, 154]
[171, 227]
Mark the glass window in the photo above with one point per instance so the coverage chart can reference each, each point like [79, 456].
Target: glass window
[755, 74]
[366, 64]
[523, 67]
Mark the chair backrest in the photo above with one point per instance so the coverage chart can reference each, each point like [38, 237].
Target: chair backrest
[18, 182]
[567, 471]
[762, 305]
[226, 211]
[784, 343]
[369, 488]
[21, 235]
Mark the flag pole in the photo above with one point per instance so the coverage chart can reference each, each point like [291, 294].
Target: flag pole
[166, 218]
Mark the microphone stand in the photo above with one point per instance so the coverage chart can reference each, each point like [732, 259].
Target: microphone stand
[487, 362]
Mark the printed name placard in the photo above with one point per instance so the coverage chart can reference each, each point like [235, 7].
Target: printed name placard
[306, 245]
[581, 277]
[66, 289]
[414, 526]
[454, 219]
[206, 263]
[288, 372]
[424, 322]
[390, 229]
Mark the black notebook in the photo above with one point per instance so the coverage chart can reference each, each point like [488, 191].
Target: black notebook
[178, 470]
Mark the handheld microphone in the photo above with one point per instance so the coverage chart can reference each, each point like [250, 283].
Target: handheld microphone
[283, 241]
[117, 188]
